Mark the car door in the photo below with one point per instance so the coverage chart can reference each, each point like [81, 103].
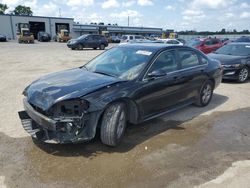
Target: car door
[192, 73]
[89, 41]
[216, 44]
[157, 94]
[96, 41]
[208, 46]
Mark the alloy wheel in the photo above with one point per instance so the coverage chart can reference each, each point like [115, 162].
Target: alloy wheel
[243, 74]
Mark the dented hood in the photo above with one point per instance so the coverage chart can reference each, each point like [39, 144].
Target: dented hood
[64, 85]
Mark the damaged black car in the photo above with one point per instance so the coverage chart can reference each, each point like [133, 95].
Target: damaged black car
[130, 83]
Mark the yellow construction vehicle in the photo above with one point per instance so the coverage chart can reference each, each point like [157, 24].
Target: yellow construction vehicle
[63, 36]
[170, 35]
[23, 33]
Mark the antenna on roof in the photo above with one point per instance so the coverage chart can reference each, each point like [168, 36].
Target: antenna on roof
[60, 15]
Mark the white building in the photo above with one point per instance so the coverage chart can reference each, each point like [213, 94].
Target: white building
[8, 24]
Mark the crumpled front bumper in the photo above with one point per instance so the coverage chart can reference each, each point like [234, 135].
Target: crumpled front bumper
[48, 130]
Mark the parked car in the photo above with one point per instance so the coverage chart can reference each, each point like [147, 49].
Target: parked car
[128, 83]
[88, 41]
[206, 45]
[243, 39]
[181, 40]
[171, 41]
[128, 38]
[42, 36]
[115, 39]
[225, 41]
[235, 58]
[3, 38]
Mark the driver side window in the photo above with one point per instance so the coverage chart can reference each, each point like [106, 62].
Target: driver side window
[165, 62]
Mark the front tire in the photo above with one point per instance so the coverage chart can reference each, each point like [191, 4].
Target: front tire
[205, 94]
[243, 74]
[113, 124]
[79, 47]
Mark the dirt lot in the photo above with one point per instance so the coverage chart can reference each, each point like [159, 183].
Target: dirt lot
[204, 147]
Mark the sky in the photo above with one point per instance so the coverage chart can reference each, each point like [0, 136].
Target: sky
[200, 15]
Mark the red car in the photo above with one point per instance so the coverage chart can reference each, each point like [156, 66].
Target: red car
[206, 45]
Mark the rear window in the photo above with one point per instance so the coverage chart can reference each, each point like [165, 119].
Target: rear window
[243, 39]
[194, 42]
[124, 37]
[234, 49]
[188, 59]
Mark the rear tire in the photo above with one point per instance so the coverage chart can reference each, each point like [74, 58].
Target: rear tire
[243, 75]
[102, 47]
[205, 95]
[113, 124]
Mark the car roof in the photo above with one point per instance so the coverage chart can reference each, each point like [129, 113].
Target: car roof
[151, 46]
[239, 43]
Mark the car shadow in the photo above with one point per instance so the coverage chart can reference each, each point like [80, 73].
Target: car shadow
[135, 134]
[234, 82]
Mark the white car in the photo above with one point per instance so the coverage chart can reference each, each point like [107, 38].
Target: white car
[171, 41]
[128, 38]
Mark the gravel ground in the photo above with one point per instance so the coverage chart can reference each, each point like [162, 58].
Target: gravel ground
[192, 147]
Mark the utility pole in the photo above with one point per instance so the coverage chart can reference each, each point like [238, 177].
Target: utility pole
[128, 20]
[60, 15]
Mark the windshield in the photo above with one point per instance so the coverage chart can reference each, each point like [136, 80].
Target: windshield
[194, 42]
[66, 33]
[26, 33]
[237, 50]
[82, 37]
[243, 39]
[125, 63]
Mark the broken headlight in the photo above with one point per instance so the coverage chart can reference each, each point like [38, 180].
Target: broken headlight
[70, 115]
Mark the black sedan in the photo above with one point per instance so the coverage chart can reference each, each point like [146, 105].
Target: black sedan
[3, 38]
[129, 83]
[235, 58]
[243, 39]
[43, 36]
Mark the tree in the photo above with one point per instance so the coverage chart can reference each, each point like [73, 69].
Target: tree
[23, 10]
[223, 31]
[3, 8]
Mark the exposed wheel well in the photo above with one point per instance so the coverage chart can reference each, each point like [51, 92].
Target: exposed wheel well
[213, 81]
[131, 110]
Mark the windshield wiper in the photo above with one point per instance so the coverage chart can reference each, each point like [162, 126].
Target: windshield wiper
[104, 73]
[84, 67]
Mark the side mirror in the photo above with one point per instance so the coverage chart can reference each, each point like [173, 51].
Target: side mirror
[156, 74]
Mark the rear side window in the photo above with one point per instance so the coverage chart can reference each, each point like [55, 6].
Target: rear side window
[172, 42]
[215, 41]
[130, 37]
[96, 37]
[208, 42]
[165, 61]
[204, 61]
[188, 59]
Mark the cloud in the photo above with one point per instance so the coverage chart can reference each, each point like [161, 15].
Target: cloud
[212, 4]
[128, 3]
[125, 14]
[145, 2]
[245, 15]
[84, 3]
[170, 7]
[110, 4]
[193, 15]
[244, 5]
